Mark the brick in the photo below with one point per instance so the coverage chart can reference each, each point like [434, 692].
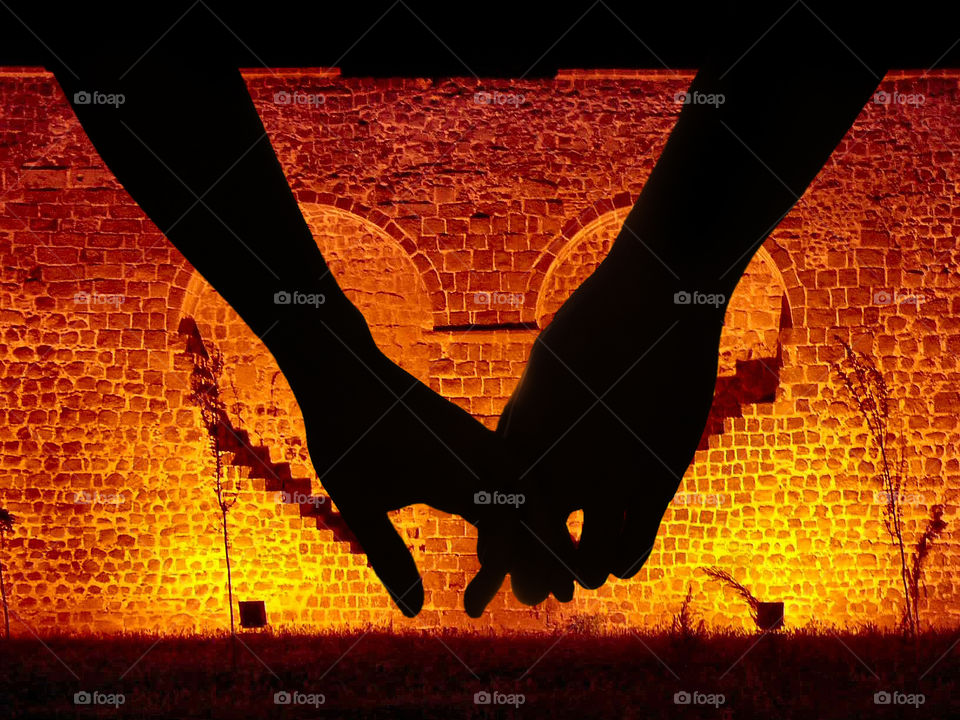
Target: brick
[107, 408]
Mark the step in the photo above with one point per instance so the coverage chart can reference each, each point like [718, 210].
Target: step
[253, 462]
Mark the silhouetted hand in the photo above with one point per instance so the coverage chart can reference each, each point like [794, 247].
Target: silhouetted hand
[380, 440]
[606, 418]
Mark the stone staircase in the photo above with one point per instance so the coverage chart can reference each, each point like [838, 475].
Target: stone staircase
[255, 462]
[754, 381]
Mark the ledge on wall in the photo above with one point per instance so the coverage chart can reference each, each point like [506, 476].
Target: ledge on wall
[490, 327]
[562, 74]
[331, 72]
[624, 74]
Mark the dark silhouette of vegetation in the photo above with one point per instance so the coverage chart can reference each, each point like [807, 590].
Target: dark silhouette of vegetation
[686, 624]
[871, 396]
[7, 521]
[207, 395]
[722, 576]
[237, 407]
[935, 527]
[802, 673]
[585, 624]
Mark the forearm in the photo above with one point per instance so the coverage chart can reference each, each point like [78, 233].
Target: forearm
[189, 147]
[758, 128]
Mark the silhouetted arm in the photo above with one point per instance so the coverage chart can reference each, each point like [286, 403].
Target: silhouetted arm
[189, 147]
[610, 410]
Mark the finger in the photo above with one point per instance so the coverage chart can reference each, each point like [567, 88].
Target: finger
[562, 589]
[597, 551]
[544, 560]
[640, 528]
[389, 557]
[495, 538]
[561, 568]
[483, 588]
[526, 578]
[527, 581]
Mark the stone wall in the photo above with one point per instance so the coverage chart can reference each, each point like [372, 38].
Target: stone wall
[447, 209]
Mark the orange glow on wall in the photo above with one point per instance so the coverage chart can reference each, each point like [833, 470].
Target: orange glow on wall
[106, 462]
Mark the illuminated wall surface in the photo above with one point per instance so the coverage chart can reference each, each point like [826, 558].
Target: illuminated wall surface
[421, 195]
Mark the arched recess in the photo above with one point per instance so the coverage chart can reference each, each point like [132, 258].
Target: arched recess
[429, 276]
[373, 270]
[618, 206]
[381, 278]
[757, 313]
[376, 274]
[575, 261]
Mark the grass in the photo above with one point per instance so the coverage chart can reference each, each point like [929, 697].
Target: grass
[809, 673]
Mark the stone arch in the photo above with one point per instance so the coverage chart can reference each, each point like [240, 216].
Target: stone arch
[374, 269]
[375, 273]
[379, 224]
[575, 261]
[782, 267]
[620, 203]
[756, 314]
[758, 311]
[421, 261]
[379, 274]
